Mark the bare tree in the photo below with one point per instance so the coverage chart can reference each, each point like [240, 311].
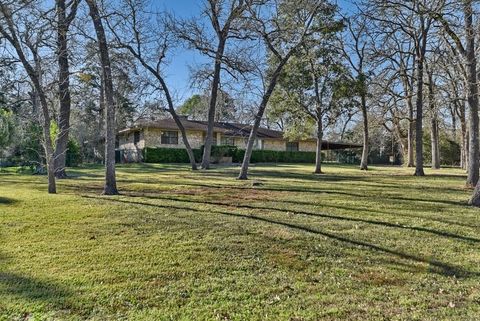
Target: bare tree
[148, 43]
[356, 54]
[413, 20]
[227, 19]
[283, 39]
[63, 23]
[434, 130]
[21, 40]
[467, 51]
[110, 187]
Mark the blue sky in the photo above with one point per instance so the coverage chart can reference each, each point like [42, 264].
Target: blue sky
[178, 72]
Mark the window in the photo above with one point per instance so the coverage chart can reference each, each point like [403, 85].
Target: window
[230, 141]
[136, 137]
[292, 146]
[170, 138]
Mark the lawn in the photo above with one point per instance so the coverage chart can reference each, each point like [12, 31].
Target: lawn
[182, 245]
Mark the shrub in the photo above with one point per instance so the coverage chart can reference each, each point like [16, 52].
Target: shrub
[178, 155]
[273, 156]
[74, 155]
[169, 155]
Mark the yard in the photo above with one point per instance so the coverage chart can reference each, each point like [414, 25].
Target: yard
[180, 245]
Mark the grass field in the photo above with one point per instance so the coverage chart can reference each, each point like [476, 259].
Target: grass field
[179, 245]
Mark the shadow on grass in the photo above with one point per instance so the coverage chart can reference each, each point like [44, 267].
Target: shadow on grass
[15, 285]
[89, 188]
[438, 267]
[322, 215]
[7, 201]
[370, 210]
[307, 190]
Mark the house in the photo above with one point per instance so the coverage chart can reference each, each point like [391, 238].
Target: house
[164, 133]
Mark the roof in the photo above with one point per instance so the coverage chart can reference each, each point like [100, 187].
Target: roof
[228, 129]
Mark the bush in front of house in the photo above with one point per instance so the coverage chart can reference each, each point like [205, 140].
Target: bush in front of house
[178, 155]
[169, 155]
[273, 156]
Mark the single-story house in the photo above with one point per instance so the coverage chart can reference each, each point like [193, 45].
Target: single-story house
[164, 133]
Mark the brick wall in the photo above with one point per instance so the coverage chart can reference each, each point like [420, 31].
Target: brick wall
[153, 138]
[274, 144]
[307, 146]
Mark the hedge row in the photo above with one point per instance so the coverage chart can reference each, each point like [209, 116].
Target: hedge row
[169, 155]
[177, 155]
[272, 156]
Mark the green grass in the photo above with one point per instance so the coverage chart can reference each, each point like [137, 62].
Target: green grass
[181, 245]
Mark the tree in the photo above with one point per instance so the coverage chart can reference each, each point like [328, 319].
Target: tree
[467, 51]
[434, 131]
[284, 30]
[20, 39]
[6, 128]
[196, 107]
[110, 187]
[414, 21]
[312, 86]
[64, 21]
[149, 45]
[226, 18]
[356, 54]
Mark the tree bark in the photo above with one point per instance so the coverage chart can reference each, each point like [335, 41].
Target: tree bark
[472, 92]
[318, 156]
[34, 76]
[364, 162]
[63, 86]
[433, 123]
[419, 119]
[258, 117]
[207, 148]
[110, 187]
[464, 139]
[410, 134]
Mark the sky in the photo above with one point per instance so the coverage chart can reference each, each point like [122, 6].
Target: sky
[178, 71]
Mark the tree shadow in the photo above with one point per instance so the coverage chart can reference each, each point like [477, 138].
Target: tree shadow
[322, 215]
[436, 266]
[15, 285]
[307, 190]
[7, 201]
[370, 210]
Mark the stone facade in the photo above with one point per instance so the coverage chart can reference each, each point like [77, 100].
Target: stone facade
[152, 137]
[307, 146]
[126, 141]
[274, 144]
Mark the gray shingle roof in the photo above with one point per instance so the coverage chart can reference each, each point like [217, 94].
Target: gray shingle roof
[228, 129]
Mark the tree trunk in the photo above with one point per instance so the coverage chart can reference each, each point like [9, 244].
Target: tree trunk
[318, 156]
[110, 187]
[475, 200]
[419, 120]
[410, 134]
[433, 123]
[464, 148]
[258, 117]
[34, 77]
[472, 92]
[207, 148]
[63, 89]
[171, 109]
[364, 162]
[435, 144]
